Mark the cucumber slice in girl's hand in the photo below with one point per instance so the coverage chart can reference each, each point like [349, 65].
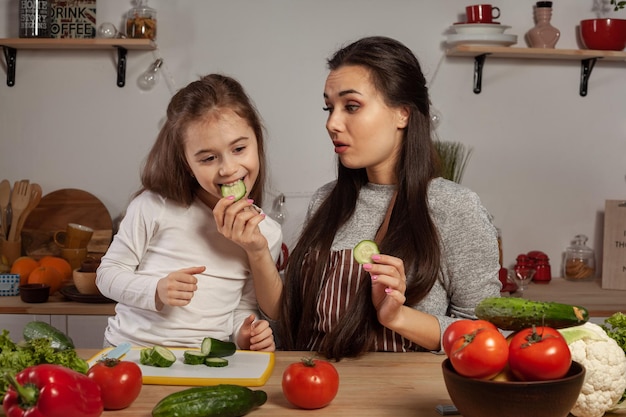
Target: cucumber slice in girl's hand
[364, 250]
[237, 189]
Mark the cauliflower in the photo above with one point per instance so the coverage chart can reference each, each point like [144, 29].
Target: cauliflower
[605, 364]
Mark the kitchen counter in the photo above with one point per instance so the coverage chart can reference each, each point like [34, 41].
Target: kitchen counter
[377, 385]
[56, 304]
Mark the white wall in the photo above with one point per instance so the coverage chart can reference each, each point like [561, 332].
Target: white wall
[545, 159]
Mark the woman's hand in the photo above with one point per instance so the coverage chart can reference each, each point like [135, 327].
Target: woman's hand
[256, 335]
[239, 221]
[388, 287]
[177, 288]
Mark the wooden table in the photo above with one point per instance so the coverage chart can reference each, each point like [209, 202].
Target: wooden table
[588, 294]
[377, 385]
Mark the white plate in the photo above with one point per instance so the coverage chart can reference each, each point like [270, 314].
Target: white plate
[478, 28]
[501, 39]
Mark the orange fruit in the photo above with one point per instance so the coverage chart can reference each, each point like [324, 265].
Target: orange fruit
[23, 266]
[58, 263]
[46, 275]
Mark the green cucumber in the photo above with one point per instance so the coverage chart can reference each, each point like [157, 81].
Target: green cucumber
[364, 250]
[40, 329]
[236, 189]
[194, 357]
[216, 362]
[158, 356]
[213, 401]
[512, 313]
[215, 348]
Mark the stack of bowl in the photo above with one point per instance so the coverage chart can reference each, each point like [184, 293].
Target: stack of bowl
[480, 34]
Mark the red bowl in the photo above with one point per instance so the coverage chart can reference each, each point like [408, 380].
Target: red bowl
[603, 34]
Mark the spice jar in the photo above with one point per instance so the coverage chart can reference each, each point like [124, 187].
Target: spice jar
[141, 22]
[579, 260]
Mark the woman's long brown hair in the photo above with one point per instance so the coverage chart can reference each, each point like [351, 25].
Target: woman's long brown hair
[411, 235]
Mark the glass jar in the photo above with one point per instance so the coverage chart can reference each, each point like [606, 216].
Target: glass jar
[141, 22]
[580, 264]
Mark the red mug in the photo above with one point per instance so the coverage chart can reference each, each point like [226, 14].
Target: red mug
[482, 13]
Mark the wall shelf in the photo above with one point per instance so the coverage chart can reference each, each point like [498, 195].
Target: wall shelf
[11, 45]
[586, 57]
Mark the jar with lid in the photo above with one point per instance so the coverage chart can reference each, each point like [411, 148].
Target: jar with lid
[141, 22]
[580, 262]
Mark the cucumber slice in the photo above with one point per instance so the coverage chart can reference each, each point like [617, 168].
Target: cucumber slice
[237, 189]
[216, 348]
[216, 362]
[193, 357]
[158, 356]
[364, 250]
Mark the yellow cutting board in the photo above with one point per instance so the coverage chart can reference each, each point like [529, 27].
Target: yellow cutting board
[246, 368]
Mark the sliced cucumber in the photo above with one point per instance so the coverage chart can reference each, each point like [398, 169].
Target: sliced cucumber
[158, 356]
[236, 189]
[364, 250]
[193, 357]
[216, 348]
[216, 362]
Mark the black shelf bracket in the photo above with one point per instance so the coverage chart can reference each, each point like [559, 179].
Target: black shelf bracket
[479, 62]
[586, 66]
[121, 66]
[10, 56]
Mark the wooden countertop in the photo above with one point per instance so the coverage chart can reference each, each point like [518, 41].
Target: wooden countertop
[589, 294]
[376, 385]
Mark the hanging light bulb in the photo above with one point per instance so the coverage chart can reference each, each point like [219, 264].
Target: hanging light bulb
[151, 76]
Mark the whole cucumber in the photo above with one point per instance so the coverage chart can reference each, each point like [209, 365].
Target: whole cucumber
[40, 329]
[512, 313]
[214, 401]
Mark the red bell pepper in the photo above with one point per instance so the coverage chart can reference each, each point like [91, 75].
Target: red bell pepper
[48, 390]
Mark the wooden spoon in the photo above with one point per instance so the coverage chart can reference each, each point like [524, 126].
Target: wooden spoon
[5, 198]
[19, 201]
[35, 191]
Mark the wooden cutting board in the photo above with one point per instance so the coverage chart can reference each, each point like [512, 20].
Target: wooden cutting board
[55, 211]
[245, 367]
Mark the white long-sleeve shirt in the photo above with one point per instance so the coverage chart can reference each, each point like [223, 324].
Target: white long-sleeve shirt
[157, 237]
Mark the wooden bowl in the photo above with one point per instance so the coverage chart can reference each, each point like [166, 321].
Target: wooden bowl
[486, 398]
[34, 293]
[85, 282]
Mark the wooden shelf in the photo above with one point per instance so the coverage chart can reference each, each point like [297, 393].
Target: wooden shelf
[587, 58]
[11, 45]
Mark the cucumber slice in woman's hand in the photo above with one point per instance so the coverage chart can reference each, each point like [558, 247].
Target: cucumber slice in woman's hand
[364, 250]
[236, 189]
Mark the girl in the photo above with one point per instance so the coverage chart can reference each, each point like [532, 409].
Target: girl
[186, 263]
[439, 249]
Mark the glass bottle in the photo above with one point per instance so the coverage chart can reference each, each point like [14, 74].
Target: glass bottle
[579, 260]
[141, 22]
[35, 19]
[543, 35]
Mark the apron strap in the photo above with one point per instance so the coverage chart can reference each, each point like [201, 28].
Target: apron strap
[382, 230]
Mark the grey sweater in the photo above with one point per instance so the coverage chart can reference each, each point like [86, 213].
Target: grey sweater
[468, 239]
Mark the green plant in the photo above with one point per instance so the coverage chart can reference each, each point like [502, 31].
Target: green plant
[618, 4]
[453, 157]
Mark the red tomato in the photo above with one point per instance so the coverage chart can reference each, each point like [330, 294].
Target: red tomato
[539, 354]
[460, 328]
[310, 383]
[120, 382]
[481, 354]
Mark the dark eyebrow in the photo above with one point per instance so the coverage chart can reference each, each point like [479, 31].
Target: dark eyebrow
[345, 92]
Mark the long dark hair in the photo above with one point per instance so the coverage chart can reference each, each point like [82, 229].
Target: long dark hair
[166, 171]
[411, 235]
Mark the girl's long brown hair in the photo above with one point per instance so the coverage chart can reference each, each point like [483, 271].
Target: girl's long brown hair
[166, 171]
[411, 235]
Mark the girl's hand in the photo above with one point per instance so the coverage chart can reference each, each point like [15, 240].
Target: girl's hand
[388, 287]
[239, 221]
[177, 288]
[256, 335]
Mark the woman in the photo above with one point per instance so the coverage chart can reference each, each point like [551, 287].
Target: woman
[439, 251]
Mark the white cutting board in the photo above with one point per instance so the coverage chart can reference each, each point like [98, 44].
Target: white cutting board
[246, 368]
